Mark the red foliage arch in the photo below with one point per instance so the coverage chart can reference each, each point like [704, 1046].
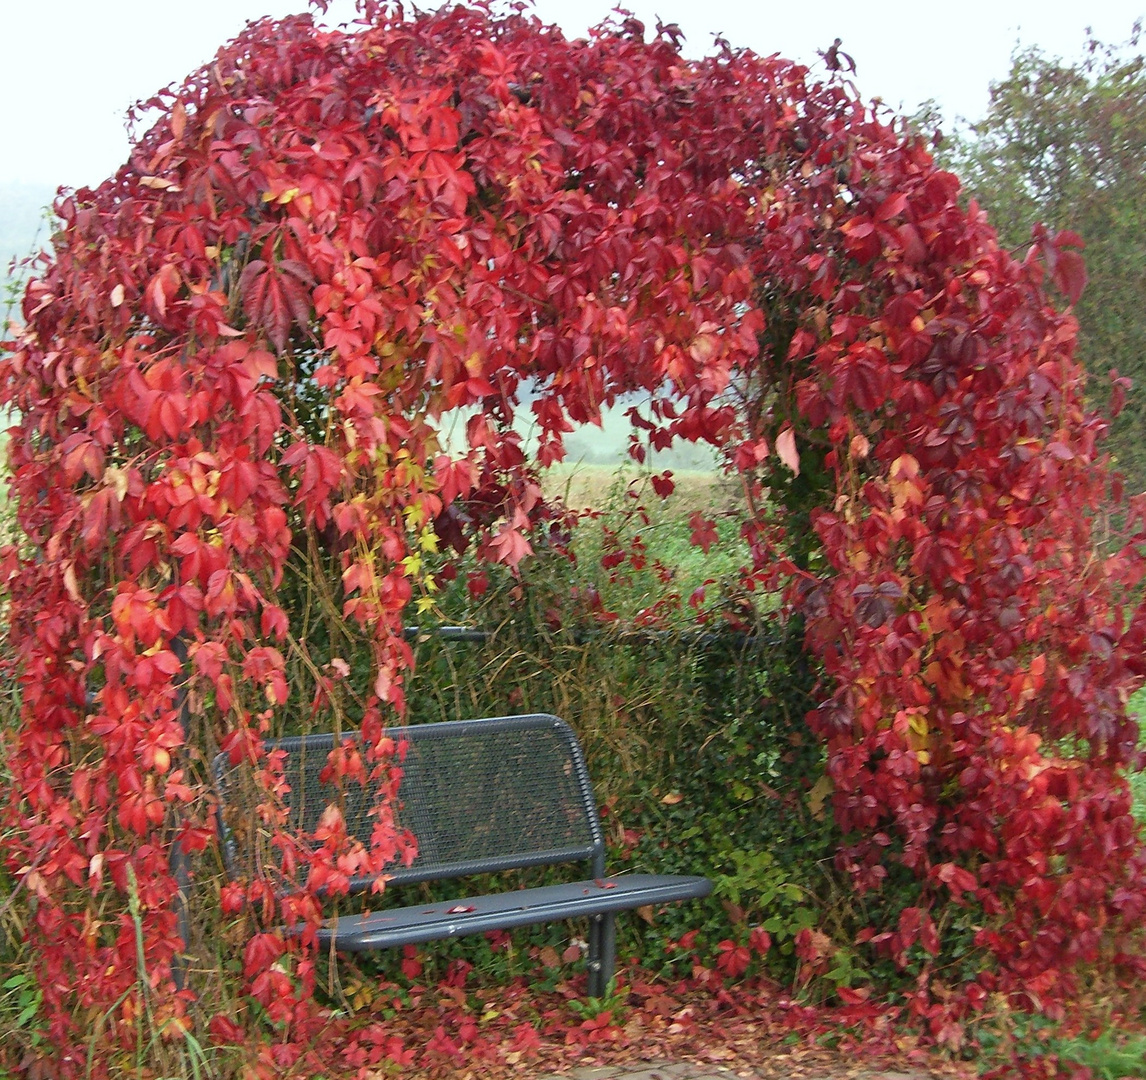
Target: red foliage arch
[419, 215]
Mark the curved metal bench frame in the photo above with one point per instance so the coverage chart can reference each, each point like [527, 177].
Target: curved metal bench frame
[480, 796]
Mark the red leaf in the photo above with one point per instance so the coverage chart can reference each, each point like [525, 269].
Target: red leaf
[274, 296]
[411, 965]
[477, 583]
[1070, 274]
[892, 206]
[760, 941]
[733, 960]
[262, 951]
[663, 484]
[510, 546]
[704, 533]
[161, 291]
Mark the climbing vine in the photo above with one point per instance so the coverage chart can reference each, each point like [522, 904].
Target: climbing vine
[244, 350]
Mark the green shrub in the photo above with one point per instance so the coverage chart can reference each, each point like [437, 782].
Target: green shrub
[694, 732]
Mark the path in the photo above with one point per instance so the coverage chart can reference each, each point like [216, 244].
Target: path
[686, 1070]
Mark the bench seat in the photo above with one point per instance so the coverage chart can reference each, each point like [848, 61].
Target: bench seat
[504, 911]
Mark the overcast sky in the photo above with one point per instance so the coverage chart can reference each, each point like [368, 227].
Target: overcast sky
[70, 68]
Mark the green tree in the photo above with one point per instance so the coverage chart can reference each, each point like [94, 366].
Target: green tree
[1064, 144]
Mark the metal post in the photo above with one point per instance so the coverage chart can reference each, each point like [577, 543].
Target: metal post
[608, 951]
[600, 926]
[595, 983]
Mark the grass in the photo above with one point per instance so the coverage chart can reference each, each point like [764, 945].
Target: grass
[661, 562]
[1138, 779]
[584, 486]
[1108, 1057]
[1110, 1054]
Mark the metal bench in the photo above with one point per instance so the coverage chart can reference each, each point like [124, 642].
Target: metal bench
[481, 796]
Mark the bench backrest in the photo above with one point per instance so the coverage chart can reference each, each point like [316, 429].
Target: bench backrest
[481, 796]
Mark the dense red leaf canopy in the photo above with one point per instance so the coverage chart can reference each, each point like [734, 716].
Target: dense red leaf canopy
[332, 241]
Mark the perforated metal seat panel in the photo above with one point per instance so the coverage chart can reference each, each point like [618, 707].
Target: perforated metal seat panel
[480, 796]
[494, 796]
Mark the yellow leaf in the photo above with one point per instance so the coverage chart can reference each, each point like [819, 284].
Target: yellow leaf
[116, 479]
[672, 798]
[819, 795]
[70, 580]
[904, 467]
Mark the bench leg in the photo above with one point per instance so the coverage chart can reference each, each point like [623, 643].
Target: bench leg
[602, 953]
[181, 871]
